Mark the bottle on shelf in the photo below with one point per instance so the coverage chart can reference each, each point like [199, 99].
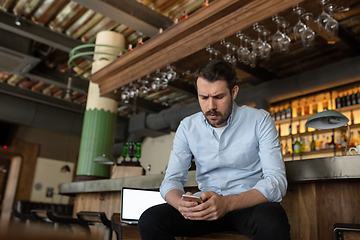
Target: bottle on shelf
[343, 138]
[307, 144]
[325, 103]
[343, 100]
[272, 113]
[288, 111]
[287, 150]
[348, 100]
[290, 129]
[358, 97]
[332, 143]
[278, 114]
[352, 117]
[283, 113]
[297, 146]
[302, 145]
[312, 144]
[314, 106]
[353, 98]
[306, 108]
[338, 101]
[317, 143]
[323, 143]
[298, 128]
[352, 142]
[298, 110]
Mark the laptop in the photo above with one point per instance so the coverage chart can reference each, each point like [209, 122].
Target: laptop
[135, 201]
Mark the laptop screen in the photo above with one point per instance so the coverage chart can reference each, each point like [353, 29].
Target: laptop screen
[135, 201]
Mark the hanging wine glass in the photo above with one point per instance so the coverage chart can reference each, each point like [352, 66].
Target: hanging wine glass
[267, 47]
[155, 85]
[277, 38]
[245, 53]
[299, 26]
[323, 17]
[233, 59]
[163, 80]
[227, 56]
[210, 50]
[308, 35]
[252, 55]
[125, 95]
[216, 53]
[258, 46]
[133, 90]
[143, 90]
[171, 74]
[240, 35]
[286, 41]
[332, 26]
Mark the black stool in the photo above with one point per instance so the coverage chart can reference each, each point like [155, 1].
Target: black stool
[339, 228]
[23, 217]
[96, 219]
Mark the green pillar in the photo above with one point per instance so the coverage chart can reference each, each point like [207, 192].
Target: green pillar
[100, 116]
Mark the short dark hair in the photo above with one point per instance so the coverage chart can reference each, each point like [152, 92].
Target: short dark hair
[217, 69]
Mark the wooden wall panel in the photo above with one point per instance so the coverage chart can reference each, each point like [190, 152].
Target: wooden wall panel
[291, 205]
[307, 211]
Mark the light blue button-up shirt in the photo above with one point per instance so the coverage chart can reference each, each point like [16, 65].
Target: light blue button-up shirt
[247, 155]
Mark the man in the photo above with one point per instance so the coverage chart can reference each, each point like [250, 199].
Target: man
[239, 168]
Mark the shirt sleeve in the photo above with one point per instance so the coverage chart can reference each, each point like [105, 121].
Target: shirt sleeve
[274, 183]
[179, 163]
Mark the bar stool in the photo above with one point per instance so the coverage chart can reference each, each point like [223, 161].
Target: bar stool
[23, 217]
[96, 219]
[339, 229]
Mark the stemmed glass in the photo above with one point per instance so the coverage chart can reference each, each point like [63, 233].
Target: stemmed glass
[240, 35]
[286, 40]
[245, 53]
[125, 95]
[143, 90]
[267, 47]
[233, 59]
[308, 35]
[227, 57]
[171, 74]
[163, 80]
[155, 85]
[277, 38]
[299, 26]
[332, 26]
[210, 50]
[258, 46]
[133, 91]
[216, 53]
[252, 55]
[323, 17]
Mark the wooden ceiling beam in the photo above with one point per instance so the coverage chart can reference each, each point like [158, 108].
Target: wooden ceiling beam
[239, 19]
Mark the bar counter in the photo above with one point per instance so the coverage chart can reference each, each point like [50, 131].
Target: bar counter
[321, 192]
[346, 167]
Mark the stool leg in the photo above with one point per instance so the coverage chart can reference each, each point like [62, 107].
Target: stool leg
[107, 234]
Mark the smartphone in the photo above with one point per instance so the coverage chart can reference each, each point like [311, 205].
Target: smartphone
[192, 198]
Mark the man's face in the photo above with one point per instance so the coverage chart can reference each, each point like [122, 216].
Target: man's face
[215, 101]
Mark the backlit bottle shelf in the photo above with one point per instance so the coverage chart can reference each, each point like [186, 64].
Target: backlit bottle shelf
[321, 151]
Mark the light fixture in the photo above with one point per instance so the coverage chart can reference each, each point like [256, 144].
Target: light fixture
[17, 19]
[105, 159]
[329, 119]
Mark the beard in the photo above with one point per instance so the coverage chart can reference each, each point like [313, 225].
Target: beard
[221, 118]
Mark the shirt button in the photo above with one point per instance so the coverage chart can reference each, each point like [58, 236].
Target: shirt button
[222, 178]
[223, 192]
[220, 152]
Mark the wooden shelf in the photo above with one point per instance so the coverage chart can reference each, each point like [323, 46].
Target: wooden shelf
[323, 151]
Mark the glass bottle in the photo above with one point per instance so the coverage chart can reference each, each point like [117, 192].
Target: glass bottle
[290, 129]
[317, 143]
[307, 144]
[343, 101]
[298, 110]
[314, 106]
[338, 101]
[297, 146]
[353, 98]
[306, 108]
[332, 143]
[125, 150]
[325, 104]
[138, 151]
[278, 114]
[283, 113]
[312, 144]
[352, 117]
[358, 97]
[348, 100]
[302, 145]
[272, 113]
[131, 150]
[288, 111]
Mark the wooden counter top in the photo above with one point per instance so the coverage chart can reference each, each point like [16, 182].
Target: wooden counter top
[346, 167]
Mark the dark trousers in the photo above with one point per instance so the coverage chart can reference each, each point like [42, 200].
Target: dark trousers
[264, 221]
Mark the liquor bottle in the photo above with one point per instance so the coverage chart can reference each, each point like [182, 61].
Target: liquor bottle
[332, 143]
[352, 142]
[297, 146]
[352, 117]
[314, 106]
[306, 108]
[312, 144]
[279, 130]
[325, 104]
[343, 139]
[298, 128]
[348, 100]
[302, 145]
[283, 113]
[298, 110]
[289, 111]
[138, 151]
[290, 129]
[286, 149]
[353, 98]
[131, 150]
[272, 113]
[317, 143]
[125, 150]
[338, 101]
[343, 101]
[307, 144]
[278, 115]
[358, 97]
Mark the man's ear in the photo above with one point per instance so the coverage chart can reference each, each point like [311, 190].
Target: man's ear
[234, 92]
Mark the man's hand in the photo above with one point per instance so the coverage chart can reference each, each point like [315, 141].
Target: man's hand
[214, 207]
